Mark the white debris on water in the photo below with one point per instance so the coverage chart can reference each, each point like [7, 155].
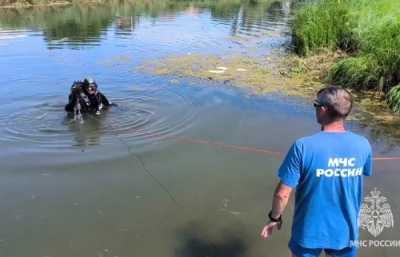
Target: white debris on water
[226, 202]
[219, 70]
[236, 213]
[41, 116]
[216, 71]
[55, 41]
[240, 69]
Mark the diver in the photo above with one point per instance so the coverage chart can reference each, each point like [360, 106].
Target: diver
[86, 98]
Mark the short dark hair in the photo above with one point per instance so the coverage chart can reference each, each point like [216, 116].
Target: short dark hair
[338, 100]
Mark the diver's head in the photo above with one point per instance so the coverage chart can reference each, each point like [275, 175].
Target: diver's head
[90, 85]
[332, 104]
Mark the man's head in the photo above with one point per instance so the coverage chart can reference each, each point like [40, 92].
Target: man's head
[332, 104]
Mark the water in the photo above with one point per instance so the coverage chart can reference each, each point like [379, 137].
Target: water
[182, 167]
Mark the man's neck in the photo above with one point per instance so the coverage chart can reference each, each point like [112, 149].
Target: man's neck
[336, 126]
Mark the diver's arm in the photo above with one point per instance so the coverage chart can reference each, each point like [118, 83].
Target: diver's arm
[69, 107]
[279, 203]
[104, 100]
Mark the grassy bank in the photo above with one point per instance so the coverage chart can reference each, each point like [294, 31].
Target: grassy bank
[368, 31]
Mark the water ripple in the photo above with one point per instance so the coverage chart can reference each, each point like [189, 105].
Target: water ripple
[142, 117]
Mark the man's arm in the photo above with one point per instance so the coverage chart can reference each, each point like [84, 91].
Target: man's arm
[280, 200]
[289, 174]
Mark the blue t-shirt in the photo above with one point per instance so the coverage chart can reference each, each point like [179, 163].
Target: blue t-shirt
[327, 171]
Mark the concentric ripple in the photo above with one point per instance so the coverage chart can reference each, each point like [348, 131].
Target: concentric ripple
[142, 117]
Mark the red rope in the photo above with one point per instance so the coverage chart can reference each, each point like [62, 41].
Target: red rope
[255, 150]
[232, 147]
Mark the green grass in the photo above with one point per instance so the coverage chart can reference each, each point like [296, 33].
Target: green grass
[393, 98]
[322, 24]
[368, 30]
[356, 72]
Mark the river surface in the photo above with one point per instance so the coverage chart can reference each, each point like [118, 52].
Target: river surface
[181, 167]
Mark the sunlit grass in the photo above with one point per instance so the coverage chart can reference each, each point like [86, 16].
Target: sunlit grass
[322, 24]
[393, 98]
[357, 72]
[368, 30]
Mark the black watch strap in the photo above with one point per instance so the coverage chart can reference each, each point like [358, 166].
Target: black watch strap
[279, 220]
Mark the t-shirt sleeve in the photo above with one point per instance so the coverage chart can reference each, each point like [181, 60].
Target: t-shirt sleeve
[367, 171]
[290, 169]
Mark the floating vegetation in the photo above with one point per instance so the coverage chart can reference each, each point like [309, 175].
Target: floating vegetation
[260, 74]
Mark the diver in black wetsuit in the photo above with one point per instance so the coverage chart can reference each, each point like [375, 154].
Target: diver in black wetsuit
[86, 98]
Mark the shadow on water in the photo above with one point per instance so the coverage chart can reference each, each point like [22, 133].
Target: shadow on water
[194, 242]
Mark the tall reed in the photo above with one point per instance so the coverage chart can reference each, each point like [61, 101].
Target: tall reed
[368, 30]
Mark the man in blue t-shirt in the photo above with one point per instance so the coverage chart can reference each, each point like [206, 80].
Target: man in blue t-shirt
[327, 170]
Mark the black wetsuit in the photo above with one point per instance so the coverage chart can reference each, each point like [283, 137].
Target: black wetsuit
[88, 102]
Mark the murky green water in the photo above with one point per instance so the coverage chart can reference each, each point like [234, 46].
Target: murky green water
[171, 171]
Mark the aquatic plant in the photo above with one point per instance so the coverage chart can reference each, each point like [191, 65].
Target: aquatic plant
[393, 98]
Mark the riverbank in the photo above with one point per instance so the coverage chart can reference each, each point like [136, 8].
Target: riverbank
[367, 31]
[279, 73]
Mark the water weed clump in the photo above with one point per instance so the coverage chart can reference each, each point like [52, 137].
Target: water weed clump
[369, 31]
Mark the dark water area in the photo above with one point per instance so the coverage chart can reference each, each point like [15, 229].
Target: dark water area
[181, 167]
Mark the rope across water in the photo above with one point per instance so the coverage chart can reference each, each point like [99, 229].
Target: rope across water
[261, 151]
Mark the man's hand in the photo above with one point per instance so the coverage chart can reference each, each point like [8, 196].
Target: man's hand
[269, 228]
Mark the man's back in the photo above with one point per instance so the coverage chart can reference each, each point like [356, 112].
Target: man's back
[327, 170]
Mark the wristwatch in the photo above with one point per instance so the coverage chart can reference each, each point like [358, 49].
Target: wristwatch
[279, 220]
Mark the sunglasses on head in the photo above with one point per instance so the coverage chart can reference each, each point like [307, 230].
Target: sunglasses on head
[317, 104]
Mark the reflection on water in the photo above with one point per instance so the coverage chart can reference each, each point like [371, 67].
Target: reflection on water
[142, 116]
[85, 25]
[125, 183]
